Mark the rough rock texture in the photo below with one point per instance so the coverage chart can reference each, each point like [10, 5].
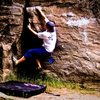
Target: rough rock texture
[10, 28]
[77, 55]
[91, 5]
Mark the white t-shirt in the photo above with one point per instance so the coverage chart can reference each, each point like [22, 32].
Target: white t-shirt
[49, 39]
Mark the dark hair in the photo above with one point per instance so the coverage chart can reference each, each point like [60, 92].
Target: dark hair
[50, 25]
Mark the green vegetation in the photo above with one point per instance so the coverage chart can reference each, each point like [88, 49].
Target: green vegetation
[52, 82]
[56, 83]
[1, 98]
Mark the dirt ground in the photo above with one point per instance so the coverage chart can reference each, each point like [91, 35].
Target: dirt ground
[56, 94]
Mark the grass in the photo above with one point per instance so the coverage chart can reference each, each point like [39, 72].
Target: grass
[56, 83]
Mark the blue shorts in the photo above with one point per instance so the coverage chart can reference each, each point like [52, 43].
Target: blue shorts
[39, 53]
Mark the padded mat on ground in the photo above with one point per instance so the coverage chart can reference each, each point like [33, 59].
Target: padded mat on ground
[21, 89]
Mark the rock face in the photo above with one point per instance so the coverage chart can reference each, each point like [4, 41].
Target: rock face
[11, 17]
[92, 5]
[78, 39]
[77, 55]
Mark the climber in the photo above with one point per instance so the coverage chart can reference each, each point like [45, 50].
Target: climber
[49, 41]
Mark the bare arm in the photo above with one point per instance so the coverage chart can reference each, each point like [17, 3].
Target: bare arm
[34, 32]
[42, 14]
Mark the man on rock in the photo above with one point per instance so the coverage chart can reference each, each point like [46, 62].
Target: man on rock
[49, 41]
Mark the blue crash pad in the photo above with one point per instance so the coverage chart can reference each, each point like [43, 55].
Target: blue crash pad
[21, 89]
